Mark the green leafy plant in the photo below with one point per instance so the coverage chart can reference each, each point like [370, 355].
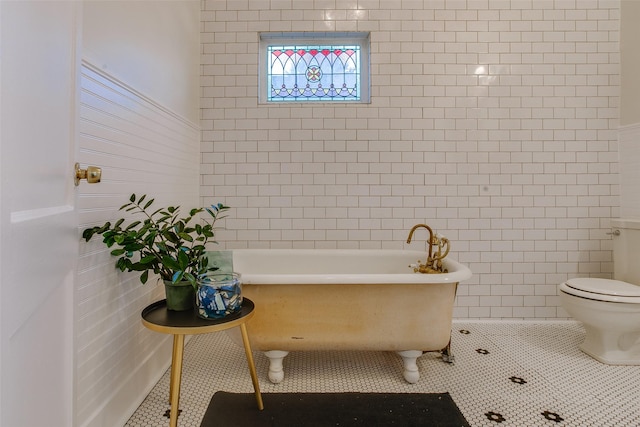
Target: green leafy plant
[163, 242]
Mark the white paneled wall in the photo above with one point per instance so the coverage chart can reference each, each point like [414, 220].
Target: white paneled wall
[493, 121]
[142, 148]
[629, 140]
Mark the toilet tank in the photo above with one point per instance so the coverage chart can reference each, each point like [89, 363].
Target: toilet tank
[626, 250]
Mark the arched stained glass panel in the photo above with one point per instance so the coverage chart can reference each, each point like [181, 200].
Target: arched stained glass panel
[313, 72]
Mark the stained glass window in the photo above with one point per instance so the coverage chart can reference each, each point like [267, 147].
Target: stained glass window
[306, 71]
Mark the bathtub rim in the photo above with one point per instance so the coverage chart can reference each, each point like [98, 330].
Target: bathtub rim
[457, 272]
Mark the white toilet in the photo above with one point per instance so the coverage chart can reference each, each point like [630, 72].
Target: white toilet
[610, 309]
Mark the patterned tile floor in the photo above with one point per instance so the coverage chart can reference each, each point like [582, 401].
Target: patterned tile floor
[505, 374]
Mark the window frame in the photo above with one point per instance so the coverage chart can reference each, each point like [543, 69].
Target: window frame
[361, 39]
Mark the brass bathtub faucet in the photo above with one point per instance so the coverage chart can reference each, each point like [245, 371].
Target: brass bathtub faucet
[434, 261]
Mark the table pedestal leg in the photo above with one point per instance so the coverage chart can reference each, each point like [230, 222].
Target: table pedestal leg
[252, 366]
[176, 377]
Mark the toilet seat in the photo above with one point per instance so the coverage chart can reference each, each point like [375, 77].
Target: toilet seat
[602, 290]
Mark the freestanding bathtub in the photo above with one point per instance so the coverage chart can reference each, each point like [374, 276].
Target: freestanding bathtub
[332, 299]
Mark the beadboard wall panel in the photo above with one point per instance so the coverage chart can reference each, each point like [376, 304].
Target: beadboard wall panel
[143, 148]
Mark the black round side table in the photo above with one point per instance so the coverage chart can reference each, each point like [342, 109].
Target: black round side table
[180, 323]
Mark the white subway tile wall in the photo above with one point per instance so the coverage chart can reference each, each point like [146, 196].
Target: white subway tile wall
[493, 121]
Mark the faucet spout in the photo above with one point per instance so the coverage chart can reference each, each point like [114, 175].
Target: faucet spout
[415, 227]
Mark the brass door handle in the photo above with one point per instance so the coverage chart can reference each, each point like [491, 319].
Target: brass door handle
[92, 174]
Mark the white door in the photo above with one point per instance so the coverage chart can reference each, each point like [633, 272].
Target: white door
[38, 228]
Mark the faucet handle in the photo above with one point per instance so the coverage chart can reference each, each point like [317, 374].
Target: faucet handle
[416, 266]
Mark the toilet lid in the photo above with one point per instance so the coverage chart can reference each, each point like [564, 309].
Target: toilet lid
[605, 287]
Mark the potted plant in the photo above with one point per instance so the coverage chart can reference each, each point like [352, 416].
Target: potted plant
[165, 243]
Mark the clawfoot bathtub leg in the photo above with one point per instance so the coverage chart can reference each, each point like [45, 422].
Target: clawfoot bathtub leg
[276, 372]
[447, 355]
[409, 357]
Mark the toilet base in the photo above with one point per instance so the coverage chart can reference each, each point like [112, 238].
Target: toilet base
[612, 348]
[606, 361]
[612, 329]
